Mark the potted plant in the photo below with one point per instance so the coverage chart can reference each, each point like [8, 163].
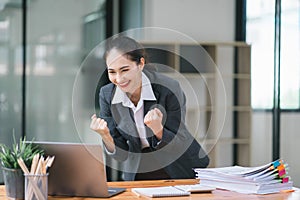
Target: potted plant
[12, 173]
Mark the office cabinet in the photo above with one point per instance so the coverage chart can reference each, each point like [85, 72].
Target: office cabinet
[216, 79]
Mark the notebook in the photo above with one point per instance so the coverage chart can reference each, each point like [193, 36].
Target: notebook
[77, 170]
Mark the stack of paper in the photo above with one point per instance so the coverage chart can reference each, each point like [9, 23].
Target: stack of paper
[265, 179]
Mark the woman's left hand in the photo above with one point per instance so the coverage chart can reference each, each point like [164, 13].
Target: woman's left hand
[153, 120]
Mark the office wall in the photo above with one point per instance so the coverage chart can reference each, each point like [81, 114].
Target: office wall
[203, 20]
[290, 147]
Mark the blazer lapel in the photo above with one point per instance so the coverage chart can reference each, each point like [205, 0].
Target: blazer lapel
[149, 105]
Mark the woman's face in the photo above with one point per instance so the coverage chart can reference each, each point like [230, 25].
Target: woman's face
[124, 73]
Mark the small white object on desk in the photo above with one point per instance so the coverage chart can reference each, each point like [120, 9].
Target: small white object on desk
[195, 188]
[164, 191]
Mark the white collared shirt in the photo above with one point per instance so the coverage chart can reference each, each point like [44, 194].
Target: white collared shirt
[146, 94]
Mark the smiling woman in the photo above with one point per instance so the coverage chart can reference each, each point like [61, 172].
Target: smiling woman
[125, 70]
[126, 74]
[142, 118]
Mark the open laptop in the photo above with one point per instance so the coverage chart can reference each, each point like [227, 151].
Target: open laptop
[77, 170]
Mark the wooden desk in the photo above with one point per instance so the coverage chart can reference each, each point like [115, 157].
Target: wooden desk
[215, 195]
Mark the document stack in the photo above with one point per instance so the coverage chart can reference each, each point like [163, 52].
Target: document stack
[265, 179]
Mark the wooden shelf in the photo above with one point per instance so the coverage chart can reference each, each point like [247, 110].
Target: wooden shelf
[224, 140]
[220, 88]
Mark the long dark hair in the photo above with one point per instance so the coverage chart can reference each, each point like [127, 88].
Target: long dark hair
[133, 50]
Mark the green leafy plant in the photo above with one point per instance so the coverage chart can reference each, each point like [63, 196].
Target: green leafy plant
[22, 149]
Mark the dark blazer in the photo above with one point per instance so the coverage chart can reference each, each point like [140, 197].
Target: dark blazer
[178, 152]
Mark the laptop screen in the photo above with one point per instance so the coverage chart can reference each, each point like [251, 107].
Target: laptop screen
[78, 170]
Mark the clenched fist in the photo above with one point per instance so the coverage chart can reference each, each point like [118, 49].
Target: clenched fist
[100, 126]
[153, 119]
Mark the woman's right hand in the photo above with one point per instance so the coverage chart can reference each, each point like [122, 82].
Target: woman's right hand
[100, 126]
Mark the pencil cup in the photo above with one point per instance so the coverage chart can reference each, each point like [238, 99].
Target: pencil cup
[36, 187]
